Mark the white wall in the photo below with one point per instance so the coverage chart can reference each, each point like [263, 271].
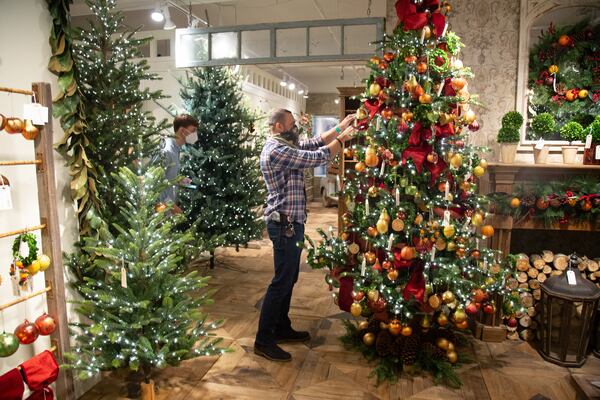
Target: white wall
[24, 31]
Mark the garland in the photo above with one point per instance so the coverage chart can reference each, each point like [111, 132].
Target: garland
[69, 109]
[31, 241]
[553, 202]
[564, 74]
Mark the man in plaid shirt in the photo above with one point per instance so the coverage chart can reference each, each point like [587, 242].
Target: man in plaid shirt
[282, 162]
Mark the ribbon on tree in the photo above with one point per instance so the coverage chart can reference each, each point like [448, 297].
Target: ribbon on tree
[419, 148]
[345, 299]
[414, 17]
[374, 106]
[416, 283]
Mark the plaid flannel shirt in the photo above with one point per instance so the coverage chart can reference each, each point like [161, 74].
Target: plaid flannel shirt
[282, 168]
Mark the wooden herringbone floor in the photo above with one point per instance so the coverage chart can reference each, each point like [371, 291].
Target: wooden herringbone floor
[322, 369]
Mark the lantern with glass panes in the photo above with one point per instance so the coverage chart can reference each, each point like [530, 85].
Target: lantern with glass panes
[568, 308]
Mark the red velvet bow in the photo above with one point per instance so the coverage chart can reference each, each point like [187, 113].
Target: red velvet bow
[416, 283]
[40, 371]
[374, 106]
[11, 385]
[419, 148]
[345, 299]
[415, 17]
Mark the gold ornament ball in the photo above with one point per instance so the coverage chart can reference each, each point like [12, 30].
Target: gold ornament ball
[460, 316]
[448, 297]
[442, 343]
[44, 262]
[373, 295]
[456, 160]
[373, 191]
[450, 346]
[451, 246]
[483, 163]
[452, 357]
[406, 330]
[369, 339]
[449, 231]
[478, 171]
[477, 219]
[362, 325]
[355, 309]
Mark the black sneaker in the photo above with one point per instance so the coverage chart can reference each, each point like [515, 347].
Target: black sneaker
[292, 336]
[272, 352]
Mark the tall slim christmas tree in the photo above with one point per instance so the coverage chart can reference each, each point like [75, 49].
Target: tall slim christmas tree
[117, 131]
[144, 312]
[226, 190]
[411, 255]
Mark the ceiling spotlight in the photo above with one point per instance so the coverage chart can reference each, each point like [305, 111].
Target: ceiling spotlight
[283, 83]
[305, 96]
[157, 14]
[337, 101]
[292, 86]
[168, 22]
[301, 91]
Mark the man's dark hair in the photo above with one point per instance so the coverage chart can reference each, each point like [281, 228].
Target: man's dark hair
[278, 116]
[184, 120]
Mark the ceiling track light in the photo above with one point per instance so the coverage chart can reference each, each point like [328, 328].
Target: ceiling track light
[157, 14]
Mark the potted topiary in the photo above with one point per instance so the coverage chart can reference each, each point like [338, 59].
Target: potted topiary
[509, 137]
[571, 131]
[591, 153]
[542, 127]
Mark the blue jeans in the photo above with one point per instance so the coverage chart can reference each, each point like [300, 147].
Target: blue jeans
[274, 318]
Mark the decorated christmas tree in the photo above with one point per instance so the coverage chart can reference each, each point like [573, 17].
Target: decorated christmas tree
[411, 255]
[144, 313]
[226, 189]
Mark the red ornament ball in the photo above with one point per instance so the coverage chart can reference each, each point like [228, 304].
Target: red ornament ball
[27, 332]
[45, 324]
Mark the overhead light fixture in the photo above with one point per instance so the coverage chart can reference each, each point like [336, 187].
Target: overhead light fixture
[301, 91]
[337, 101]
[283, 83]
[306, 96]
[168, 22]
[157, 14]
[291, 86]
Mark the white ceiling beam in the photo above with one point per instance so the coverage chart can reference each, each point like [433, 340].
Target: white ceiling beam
[79, 8]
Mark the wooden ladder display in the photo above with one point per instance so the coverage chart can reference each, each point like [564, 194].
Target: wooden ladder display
[50, 235]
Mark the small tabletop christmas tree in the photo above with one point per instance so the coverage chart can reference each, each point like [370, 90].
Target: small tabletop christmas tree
[144, 313]
[411, 256]
[226, 186]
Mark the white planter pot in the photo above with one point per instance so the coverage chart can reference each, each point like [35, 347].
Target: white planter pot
[569, 154]
[508, 152]
[541, 155]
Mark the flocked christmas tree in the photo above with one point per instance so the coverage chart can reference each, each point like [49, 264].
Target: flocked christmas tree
[144, 313]
[223, 164]
[411, 254]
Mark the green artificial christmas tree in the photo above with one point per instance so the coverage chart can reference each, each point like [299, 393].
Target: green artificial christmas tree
[144, 313]
[222, 202]
[411, 255]
[117, 132]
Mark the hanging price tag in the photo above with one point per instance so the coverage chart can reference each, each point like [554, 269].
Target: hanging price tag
[446, 218]
[123, 275]
[588, 141]
[35, 112]
[571, 277]
[540, 144]
[15, 285]
[363, 267]
[5, 195]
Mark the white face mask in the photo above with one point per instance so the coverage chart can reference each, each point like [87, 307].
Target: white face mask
[192, 138]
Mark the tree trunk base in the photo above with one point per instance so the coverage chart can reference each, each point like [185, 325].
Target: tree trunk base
[147, 390]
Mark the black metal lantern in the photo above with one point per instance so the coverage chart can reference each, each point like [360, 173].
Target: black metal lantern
[568, 308]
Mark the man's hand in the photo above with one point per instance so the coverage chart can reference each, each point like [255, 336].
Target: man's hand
[185, 181]
[346, 122]
[347, 134]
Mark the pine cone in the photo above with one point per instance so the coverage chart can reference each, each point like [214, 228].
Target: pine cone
[409, 351]
[528, 200]
[384, 343]
[396, 347]
[434, 352]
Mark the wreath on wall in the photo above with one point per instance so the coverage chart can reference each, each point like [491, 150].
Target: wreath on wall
[564, 74]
